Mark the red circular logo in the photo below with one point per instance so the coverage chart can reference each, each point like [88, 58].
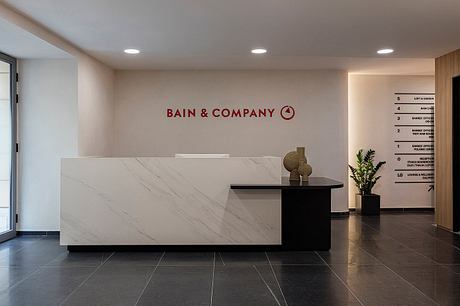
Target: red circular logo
[287, 112]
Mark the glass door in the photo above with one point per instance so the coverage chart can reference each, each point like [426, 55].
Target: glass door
[7, 147]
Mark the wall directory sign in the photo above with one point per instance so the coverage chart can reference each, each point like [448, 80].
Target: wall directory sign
[394, 115]
[414, 140]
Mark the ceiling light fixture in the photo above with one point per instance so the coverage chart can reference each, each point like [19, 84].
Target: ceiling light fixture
[132, 51]
[259, 51]
[385, 51]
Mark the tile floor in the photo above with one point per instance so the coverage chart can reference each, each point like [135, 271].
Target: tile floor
[397, 259]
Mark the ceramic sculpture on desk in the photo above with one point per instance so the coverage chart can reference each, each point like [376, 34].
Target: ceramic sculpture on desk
[296, 163]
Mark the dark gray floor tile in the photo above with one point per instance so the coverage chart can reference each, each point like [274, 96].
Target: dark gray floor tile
[412, 217]
[112, 285]
[245, 285]
[394, 259]
[435, 232]
[392, 252]
[436, 249]
[439, 251]
[378, 285]
[80, 259]
[180, 285]
[341, 244]
[33, 255]
[24, 238]
[267, 273]
[313, 285]
[355, 231]
[51, 237]
[242, 258]
[9, 276]
[146, 259]
[352, 255]
[187, 259]
[437, 282]
[453, 268]
[48, 286]
[294, 258]
[17, 244]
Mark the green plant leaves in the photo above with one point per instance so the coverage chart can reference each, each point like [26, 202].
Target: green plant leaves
[364, 173]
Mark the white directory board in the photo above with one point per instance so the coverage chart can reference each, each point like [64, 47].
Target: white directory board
[413, 146]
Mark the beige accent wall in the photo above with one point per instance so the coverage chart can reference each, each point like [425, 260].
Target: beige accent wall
[447, 67]
[95, 108]
[320, 124]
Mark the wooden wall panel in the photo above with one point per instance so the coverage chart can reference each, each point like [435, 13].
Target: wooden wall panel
[447, 67]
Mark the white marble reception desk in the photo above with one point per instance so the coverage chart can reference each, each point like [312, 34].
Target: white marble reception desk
[169, 201]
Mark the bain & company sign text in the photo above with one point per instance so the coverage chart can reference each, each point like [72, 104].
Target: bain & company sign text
[286, 112]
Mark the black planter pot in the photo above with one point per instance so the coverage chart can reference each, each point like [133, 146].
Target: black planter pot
[368, 204]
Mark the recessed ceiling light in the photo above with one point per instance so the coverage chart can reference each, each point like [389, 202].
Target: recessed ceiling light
[259, 51]
[132, 51]
[385, 51]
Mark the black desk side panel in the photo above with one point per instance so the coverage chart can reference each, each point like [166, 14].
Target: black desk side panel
[306, 219]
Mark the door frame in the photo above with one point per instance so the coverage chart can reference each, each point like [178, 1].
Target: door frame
[13, 179]
[455, 153]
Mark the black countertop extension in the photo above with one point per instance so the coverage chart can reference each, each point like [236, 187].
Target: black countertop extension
[313, 183]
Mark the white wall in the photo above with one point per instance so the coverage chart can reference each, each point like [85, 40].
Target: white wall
[371, 120]
[92, 98]
[95, 88]
[66, 110]
[95, 107]
[319, 98]
[47, 131]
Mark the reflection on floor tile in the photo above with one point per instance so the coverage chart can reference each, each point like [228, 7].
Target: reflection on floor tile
[313, 285]
[394, 259]
[436, 281]
[295, 258]
[351, 255]
[378, 285]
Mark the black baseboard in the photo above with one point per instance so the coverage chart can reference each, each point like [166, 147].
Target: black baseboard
[38, 233]
[173, 248]
[409, 209]
[389, 210]
[403, 209]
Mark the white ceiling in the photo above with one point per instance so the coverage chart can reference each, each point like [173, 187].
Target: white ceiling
[218, 34]
[16, 42]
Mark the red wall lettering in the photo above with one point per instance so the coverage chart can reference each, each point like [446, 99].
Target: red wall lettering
[287, 113]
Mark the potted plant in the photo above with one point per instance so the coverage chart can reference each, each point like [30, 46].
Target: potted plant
[365, 178]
